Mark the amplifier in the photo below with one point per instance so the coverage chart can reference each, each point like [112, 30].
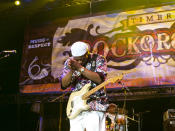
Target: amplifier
[169, 114]
[169, 120]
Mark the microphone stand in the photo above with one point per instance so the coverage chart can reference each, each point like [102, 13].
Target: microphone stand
[59, 97]
[4, 56]
[124, 104]
[124, 107]
[139, 121]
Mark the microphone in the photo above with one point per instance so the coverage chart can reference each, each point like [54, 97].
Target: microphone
[123, 86]
[9, 51]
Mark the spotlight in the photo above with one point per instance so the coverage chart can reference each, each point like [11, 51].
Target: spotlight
[17, 2]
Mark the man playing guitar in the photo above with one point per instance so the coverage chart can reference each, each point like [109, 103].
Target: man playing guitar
[79, 70]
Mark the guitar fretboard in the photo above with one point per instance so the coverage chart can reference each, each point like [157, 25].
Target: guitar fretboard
[86, 95]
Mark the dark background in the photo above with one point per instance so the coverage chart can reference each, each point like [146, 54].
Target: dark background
[15, 108]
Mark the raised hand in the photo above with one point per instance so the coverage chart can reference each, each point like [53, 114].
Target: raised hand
[75, 65]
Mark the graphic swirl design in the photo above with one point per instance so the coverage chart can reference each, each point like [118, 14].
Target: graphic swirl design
[153, 47]
[37, 71]
[40, 73]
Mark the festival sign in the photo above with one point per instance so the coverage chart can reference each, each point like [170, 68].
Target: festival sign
[139, 44]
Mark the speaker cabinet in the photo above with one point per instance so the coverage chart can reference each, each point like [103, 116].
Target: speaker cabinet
[169, 120]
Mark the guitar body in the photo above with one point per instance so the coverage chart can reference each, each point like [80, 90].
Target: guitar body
[76, 104]
[78, 100]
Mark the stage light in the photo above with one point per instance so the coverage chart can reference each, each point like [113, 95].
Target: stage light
[17, 2]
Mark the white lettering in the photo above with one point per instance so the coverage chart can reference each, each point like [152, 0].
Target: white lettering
[163, 39]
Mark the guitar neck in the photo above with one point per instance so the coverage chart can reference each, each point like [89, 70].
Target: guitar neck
[86, 95]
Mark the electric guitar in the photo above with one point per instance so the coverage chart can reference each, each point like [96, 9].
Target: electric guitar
[77, 100]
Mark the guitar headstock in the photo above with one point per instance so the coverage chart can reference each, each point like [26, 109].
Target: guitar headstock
[116, 78]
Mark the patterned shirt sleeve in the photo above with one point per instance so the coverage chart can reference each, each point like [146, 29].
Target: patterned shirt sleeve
[101, 67]
[65, 70]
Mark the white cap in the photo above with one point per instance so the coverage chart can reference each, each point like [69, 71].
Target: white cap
[79, 48]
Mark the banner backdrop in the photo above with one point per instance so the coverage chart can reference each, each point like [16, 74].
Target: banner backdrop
[138, 43]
